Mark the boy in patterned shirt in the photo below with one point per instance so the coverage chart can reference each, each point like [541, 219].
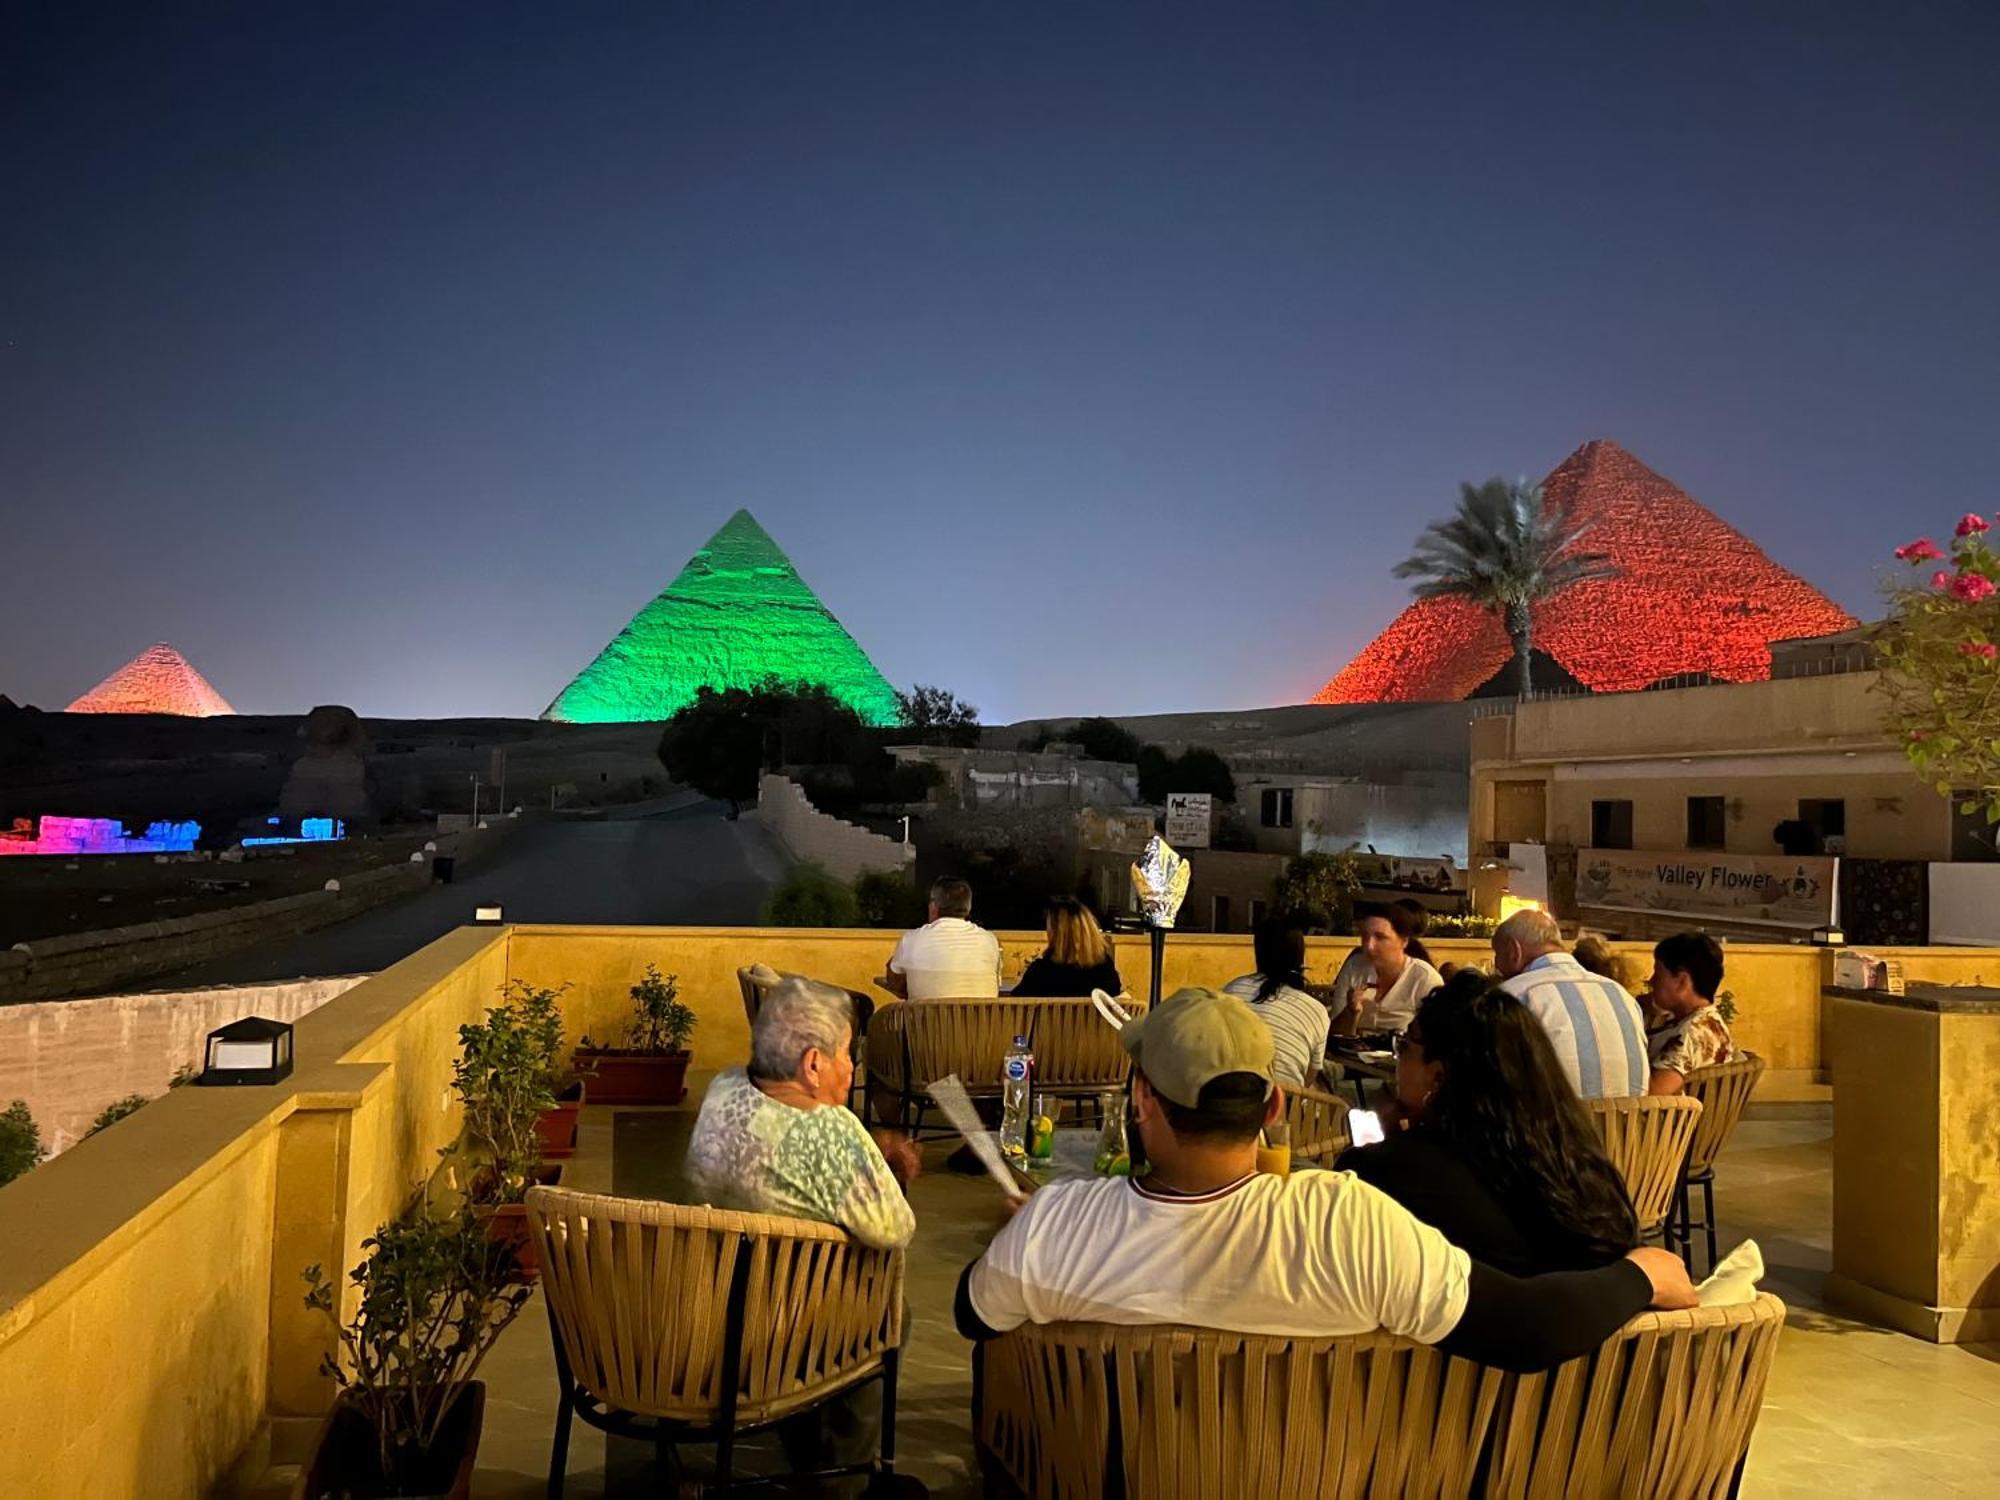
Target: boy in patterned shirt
[1686, 1031]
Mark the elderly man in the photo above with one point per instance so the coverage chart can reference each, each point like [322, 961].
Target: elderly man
[950, 957]
[1203, 1239]
[1593, 1023]
[777, 1137]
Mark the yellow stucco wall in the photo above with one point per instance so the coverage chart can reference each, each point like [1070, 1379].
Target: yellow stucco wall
[149, 1278]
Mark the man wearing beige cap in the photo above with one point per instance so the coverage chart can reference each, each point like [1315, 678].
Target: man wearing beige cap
[1203, 1239]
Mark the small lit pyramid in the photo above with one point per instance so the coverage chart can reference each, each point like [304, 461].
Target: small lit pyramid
[738, 614]
[1693, 596]
[158, 680]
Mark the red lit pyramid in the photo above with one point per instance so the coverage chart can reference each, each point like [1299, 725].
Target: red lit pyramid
[156, 681]
[1693, 595]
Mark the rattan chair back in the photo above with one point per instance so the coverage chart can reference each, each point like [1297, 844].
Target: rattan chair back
[1647, 1139]
[1318, 1123]
[647, 1298]
[1076, 1051]
[1723, 1090]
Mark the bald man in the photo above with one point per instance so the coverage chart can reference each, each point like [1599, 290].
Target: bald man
[1595, 1026]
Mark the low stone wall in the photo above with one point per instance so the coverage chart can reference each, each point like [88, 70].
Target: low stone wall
[815, 837]
[69, 1058]
[84, 963]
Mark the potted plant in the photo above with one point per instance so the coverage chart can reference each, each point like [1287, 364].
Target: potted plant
[540, 1013]
[651, 1068]
[434, 1294]
[504, 1080]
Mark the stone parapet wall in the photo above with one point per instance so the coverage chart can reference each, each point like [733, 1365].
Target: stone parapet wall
[814, 837]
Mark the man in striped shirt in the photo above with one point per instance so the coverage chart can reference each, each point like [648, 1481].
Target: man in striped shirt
[1595, 1027]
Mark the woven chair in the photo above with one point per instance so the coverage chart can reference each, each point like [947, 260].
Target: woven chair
[1077, 1055]
[685, 1324]
[1723, 1090]
[967, 1037]
[1664, 1409]
[1077, 1411]
[1647, 1139]
[1318, 1122]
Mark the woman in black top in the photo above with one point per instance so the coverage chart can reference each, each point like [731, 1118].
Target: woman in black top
[1493, 1148]
[1078, 958]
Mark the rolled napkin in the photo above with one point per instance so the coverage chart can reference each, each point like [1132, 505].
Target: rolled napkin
[1734, 1280]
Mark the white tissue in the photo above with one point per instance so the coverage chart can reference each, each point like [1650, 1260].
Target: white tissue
[1735, 1278]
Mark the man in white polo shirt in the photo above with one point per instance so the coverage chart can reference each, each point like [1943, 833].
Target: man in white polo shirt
[1596, 1027]
[949, 957]
[1204, 1239]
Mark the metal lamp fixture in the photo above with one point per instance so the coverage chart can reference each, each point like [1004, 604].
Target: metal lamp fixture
[252, 1050]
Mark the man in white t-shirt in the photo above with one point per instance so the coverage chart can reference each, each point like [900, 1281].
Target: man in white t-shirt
[1203, 1239]
[1594, 1025]
[949, 957]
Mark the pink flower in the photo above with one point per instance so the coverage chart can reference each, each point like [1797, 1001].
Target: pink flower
[1940, 579]
[1971, 587]
[1923, 549]
[1970, 522]
[1919, 734]
[1973, 648]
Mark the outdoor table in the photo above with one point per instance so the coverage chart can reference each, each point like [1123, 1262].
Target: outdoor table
[1361, 1064]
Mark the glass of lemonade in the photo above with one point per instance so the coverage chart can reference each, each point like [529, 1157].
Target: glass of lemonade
[1274, 1149]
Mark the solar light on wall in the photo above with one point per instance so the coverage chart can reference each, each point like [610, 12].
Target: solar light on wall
[486, 914]
[1829, 937]
[252, 1050]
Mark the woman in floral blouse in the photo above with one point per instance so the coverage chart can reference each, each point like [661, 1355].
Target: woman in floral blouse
[1686, 1031]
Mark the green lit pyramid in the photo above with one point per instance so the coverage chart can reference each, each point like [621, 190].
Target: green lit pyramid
[738, 615]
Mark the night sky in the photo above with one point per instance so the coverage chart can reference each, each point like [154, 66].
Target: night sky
[1085, 359]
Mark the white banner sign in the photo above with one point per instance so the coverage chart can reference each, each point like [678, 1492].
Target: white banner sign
[1188, 815]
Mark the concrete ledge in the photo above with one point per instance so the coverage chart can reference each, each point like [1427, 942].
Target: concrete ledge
[1939, 1325]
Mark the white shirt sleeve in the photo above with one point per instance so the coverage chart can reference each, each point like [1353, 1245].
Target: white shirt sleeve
[899, 962]
[999, 1283]
[1402, 1273]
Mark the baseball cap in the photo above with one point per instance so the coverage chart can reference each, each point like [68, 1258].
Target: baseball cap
[1196, 1035]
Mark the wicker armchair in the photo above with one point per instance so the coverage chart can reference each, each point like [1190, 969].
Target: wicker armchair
[1723, 1090]
[1318, 1122]
[1647, 1139]
[682, 1324]
[1665, 1408]
[1201, 1413]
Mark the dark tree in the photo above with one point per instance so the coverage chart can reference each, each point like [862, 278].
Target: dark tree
[935, 717]
[720, 743]
[1195, 769]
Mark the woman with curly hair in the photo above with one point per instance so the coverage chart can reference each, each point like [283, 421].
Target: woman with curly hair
[1489, 1143]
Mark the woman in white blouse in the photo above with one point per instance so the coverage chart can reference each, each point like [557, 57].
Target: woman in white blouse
[1395, 981]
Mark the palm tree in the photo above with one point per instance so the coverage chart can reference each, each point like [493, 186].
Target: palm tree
[1504, 551]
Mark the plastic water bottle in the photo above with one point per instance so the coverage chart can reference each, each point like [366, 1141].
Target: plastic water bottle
[1016, 1079]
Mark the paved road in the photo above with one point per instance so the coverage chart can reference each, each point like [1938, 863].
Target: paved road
[690, 866]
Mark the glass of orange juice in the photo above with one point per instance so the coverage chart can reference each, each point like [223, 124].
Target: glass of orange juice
[1274, 1149]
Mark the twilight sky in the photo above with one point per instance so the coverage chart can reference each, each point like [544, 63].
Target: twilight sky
[1084, 358]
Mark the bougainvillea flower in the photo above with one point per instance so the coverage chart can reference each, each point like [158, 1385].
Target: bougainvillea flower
[1970, 522]
[1971, 587]
[1940, 579]
[1923, 549]
[1978, 648]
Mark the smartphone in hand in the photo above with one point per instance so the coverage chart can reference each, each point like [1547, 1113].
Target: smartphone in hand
[1364, 1127]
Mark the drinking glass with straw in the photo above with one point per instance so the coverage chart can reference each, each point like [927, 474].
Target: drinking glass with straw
[1274, 1149]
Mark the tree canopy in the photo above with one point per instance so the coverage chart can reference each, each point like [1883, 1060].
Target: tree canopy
[934, 716]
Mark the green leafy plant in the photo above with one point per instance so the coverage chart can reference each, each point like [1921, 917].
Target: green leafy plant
[505, 1077]
[1319, 890]
[885, 898]
[433, 1295]
[1940, 650]
[21, 1145]
[1460, 924]
[660, 1022]
[1725, 1005]
[810, 896]
[115, 1111]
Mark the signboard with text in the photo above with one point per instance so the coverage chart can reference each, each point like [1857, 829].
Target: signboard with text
[1188, 816]
[1772, 890]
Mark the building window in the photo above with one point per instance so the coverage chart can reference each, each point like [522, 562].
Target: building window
[1278, 807]
[1611, 825]
[1705, 823]
[1825, 816]
[1220, 922]
[1256, 913]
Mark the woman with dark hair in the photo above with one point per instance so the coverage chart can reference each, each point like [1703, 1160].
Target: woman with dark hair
[1277, 993]
[1398, 973]
[1494, 1148]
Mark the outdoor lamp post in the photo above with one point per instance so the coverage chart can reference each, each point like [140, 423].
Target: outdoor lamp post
[252, 1050]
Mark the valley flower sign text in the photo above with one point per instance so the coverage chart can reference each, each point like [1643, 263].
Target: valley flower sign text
[1771, 890]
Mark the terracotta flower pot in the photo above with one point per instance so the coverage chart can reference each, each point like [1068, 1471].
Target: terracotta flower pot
[620, 1076]
[508, 1223]
[556, 1128]
[346, 1464]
